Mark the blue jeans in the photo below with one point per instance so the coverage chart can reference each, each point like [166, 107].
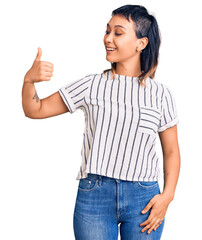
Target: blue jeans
[102, 203]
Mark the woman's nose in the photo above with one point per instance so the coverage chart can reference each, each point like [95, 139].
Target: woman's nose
[109, 38]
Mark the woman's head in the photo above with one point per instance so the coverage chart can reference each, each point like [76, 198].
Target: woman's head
[137, 41]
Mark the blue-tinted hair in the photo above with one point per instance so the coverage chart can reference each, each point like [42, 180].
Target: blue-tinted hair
[145, 26]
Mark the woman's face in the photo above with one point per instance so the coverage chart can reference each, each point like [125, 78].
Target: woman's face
[120, 34]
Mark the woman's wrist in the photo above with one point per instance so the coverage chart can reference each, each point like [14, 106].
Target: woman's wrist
[168, 195]
[27, 80]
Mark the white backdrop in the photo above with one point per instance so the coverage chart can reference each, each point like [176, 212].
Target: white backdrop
[40, 158]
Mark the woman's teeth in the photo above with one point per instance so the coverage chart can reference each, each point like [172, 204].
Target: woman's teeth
[111, 49]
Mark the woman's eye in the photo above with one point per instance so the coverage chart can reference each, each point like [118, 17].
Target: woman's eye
[117, 34]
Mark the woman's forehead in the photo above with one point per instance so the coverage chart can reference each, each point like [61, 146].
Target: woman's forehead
[119, 20]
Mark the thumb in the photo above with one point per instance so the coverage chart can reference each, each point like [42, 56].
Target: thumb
[38, 56]
[146, 209]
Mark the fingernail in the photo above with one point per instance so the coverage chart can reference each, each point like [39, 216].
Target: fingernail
[143, 211]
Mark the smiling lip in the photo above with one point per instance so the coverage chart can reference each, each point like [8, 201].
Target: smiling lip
[110, 50]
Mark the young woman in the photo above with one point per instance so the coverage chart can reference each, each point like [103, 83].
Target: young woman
[124, 109]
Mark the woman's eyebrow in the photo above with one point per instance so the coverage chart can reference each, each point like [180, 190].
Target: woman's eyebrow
[116, 25]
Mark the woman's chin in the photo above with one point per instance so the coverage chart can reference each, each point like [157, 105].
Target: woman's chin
[110, 59]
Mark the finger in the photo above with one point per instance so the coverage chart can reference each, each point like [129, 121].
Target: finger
[48, 74]
[156, 226]
[48, 64]
[47, 69]
[149, 220]
[146, 209]
[151, 228]
[145, 228]
[39, 54]
[145, 223]
[152, 217]
[45, 78]
[149, 225]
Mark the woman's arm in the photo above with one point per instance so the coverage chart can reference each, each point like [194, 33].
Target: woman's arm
[37, 108]
[171, 160]
[30, 101]
[160, 202]
[33, 106]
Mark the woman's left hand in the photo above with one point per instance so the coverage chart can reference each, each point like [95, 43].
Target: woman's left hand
[159, 204]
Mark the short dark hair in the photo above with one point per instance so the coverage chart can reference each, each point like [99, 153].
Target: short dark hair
[145, 26]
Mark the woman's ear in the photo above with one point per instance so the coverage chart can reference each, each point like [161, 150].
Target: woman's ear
[142, 43]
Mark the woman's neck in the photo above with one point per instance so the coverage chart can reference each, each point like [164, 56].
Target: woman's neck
[129, 69]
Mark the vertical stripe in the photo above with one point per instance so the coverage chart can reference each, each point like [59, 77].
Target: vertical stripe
[148, 161]
[129, 131]
[122, 128]
[137, 102]
[143, 159]
[101, 130]
[121, 121]
[113, 131]
[151, 104]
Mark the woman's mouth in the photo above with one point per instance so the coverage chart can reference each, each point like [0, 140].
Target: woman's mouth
[110, 49]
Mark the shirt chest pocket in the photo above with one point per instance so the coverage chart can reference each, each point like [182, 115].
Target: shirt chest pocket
[149, 119]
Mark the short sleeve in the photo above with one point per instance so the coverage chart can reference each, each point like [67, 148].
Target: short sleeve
[169, 116]
[74, 93]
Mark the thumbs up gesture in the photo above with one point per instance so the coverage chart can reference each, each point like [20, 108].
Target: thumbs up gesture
[40, 70]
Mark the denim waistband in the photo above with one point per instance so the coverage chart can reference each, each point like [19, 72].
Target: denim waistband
[101, 177]
[97, 176]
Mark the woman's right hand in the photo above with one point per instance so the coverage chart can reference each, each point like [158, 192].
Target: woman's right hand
[40, 70]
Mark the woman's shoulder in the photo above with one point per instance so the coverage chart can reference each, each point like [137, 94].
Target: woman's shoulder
[159, 83]
[91, 75]
[97, 75]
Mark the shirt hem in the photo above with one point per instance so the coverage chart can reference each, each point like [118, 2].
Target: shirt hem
[136, 179]
[168, 125]
[67, 100]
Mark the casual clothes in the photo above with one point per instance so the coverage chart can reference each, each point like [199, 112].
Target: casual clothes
[122, 119]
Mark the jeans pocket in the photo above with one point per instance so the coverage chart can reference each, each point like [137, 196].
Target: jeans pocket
[87, 184]
[146, 184]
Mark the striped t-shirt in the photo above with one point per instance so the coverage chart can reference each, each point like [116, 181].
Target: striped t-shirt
[122, 119]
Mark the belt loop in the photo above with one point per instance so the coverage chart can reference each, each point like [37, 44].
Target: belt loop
[100, 180]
